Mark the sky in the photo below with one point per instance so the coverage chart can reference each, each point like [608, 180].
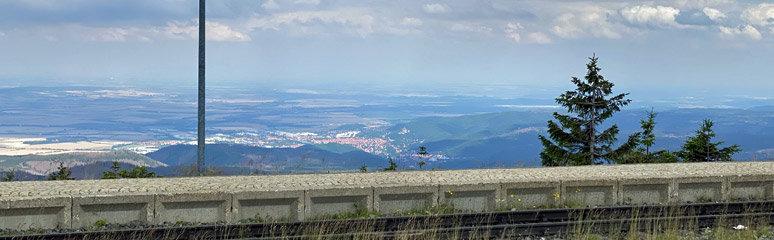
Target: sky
[651, 48]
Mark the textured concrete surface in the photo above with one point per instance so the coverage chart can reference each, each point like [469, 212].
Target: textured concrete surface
[590, 192]
[267, 206]
[48, 212]
[196, 207]
[529, 195]
[88, 209]
[326, 202]
[701, 189]
[49, 204]
[645, 190]
[426, 178]
[470, 197]
[750, 187]
[393, 200]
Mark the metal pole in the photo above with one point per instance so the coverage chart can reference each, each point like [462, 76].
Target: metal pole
[200, 146]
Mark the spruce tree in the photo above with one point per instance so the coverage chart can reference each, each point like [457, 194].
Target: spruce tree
[647, 138]
[9, 177]
[699, 148]
[115, 173]
[577, 140]
[422, 153]
[63, 173]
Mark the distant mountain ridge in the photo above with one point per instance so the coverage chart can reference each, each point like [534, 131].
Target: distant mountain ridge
[510, 138]
[41, 165]
[302, 159]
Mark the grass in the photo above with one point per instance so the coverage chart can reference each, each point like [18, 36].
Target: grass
[443, 208]
[360, 212]
[642, 225]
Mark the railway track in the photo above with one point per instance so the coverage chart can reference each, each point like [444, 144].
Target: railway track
[492, 225]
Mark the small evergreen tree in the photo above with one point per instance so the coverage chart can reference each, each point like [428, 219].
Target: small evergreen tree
[576, 140]
[136, 172]
[363, 168]
[699, 148]
[9, 177]
[647, 139]
[114, 174]
[393, 165]
[63, 173]
[422, 153]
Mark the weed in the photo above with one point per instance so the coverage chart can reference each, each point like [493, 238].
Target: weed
[704, 199]
[100, 223]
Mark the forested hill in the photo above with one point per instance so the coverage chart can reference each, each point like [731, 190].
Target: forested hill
[304, 158]
[510, 138]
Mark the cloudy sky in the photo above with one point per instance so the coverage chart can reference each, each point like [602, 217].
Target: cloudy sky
[673, 45]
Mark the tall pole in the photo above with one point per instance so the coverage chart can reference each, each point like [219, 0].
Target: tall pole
[200, 144]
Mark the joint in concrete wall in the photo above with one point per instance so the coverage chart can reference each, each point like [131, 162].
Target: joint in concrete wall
[701, 189]
[125, 208]
[42, 212]
[578, 193]
[470, 197]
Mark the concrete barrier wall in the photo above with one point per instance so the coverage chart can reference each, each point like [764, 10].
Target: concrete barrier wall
[75, 211]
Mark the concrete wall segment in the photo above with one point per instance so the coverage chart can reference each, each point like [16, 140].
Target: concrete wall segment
[120, 208]
[397, 199]
[530, 194]
[325, 202]
[268, 205]
[48, 212]
[193, 207]
[589, 192]
[645, 190]
[470, 197]
[750, 187]
[700, 189]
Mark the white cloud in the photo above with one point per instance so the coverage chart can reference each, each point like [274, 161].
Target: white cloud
[466, 27]
[180, 29]
[659, 16]
[435, 8]
[307, 2]
[222, 33]
[214, 31]
[2, 34]
[590, 22]
[98, 34]
[270, 5]
[511, 31]
[714, 14]
[761, 15]
[411, 22]
[746, 31]
[111, 34]
[352, 21]
[538, 37]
